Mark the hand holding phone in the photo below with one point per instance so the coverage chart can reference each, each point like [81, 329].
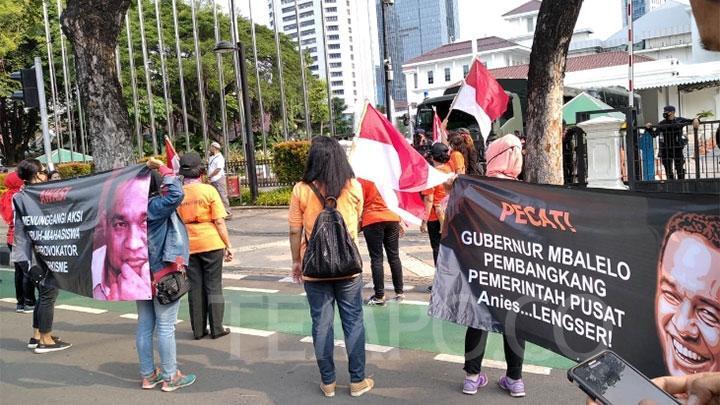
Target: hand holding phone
[610, 380]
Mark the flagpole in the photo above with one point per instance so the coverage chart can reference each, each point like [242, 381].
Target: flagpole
[51, 68]
[257, 78]
[178, 53]
[221, 81]
[148, 85]
[283, 106]
[302, 71]
[327, 72]
[163, 70]
[235, 36]
[200, 80]
[66, 80]
[133, 84]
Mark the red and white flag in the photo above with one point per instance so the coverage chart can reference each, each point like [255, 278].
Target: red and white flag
[481, 96]
[439, 134]
[173, 160]
[382, 155]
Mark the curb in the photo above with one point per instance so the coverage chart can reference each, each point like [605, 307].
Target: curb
[259, 207]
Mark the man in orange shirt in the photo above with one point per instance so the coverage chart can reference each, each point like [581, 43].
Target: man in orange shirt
[381, 227]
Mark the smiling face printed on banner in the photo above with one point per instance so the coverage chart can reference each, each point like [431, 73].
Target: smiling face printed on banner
[688, 297]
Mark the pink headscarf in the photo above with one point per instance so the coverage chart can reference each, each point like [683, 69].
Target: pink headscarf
[504, 157]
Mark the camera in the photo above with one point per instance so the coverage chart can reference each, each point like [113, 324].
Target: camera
[666, 115]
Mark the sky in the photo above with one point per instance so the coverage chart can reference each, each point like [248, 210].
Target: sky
[481, 18]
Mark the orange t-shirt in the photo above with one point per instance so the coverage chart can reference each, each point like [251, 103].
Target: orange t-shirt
[305, 208]
[457, 162]
[199, 209]
[374, 208]
[438, 192]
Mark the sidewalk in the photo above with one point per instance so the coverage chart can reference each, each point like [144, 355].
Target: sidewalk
[260, 244]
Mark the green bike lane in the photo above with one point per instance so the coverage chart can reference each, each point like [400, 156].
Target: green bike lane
[405, 326]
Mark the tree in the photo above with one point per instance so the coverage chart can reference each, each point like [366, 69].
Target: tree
[555, 25]
[93, 27]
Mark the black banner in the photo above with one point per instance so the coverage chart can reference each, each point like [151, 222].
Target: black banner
[89, 233]
[577, 271]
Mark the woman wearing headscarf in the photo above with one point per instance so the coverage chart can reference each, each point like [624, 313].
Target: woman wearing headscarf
[505, 161]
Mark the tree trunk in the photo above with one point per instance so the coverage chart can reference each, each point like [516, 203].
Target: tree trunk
[553, 33]
[93, 27]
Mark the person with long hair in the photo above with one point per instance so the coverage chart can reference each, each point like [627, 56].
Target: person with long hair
[432, 197]
[464, 156]
[203, 213]
[31, 172]
[505, 161]
[329, 172]
[24, 289]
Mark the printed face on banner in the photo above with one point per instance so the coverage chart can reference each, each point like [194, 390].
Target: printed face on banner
[121, 270]
[688, 303]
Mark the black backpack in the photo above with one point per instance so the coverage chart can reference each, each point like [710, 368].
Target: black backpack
[330, 252]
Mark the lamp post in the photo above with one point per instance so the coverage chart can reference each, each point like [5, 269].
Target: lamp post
[387, 62]
[242, 88]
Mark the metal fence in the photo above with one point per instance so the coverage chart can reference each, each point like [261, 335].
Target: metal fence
[263, 167]
[689, 162]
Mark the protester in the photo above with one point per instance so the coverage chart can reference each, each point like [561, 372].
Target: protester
[328, 170]
[168, 247]
[203, 214]
[216, 174]
[24, 289]
[54, 175]
[381, 228]
[672, 141]
[504, 160]
[464, 156]
[30, 172]
[433, 197]
[421, 143]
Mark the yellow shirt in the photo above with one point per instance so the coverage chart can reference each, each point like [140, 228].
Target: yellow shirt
[305, 208]
[200, 207]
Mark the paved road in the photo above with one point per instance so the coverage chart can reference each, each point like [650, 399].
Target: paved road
[267, 359]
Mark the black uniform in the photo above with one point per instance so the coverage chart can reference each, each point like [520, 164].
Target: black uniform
[671, 145]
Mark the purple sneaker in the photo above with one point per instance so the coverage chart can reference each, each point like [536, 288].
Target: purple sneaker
[471, 387]
[515, 388]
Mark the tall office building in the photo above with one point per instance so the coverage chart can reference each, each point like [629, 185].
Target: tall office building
[415, 27]
[350, 33]
[640, 8]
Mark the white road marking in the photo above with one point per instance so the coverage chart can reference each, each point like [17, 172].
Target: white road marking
[288, 279]
[251, 332]
[527, 368]
[135, 316]
[412, 302]
[81, 309]
[368, 346]
[9, 300]
[251, 248]
[248, 289]
[302, 294]
[231, 276]
[417, 266]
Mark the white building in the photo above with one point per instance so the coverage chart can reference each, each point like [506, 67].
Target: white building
[431, 73]
[351, 36]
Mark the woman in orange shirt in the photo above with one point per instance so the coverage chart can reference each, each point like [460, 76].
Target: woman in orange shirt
[203, 213]
[433, 196]
[464, 157]
[328, 170]
[381, 227]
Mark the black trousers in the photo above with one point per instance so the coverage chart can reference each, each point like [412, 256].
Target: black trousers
[44, 311]
[434, 234]
[24, 288]
[385, 234]
[674, 156]
[475, 342]
[205, 297]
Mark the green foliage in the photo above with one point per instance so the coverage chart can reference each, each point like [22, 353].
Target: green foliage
[69, 170]
[274, 198]
[289, 160]
[705, 114]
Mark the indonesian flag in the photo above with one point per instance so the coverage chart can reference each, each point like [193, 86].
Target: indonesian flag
[382, 155]
[481, 96]
[439, 134]
[173, 160]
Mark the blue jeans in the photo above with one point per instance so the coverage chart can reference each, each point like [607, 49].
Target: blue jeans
[322, 296]
[154, 315]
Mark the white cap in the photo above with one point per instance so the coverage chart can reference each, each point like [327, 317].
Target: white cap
[216, 145]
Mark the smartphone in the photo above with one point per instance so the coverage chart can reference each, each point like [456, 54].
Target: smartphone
[610, 380]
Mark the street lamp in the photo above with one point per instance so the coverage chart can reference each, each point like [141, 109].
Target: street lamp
[387, 62]
[242, 88]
